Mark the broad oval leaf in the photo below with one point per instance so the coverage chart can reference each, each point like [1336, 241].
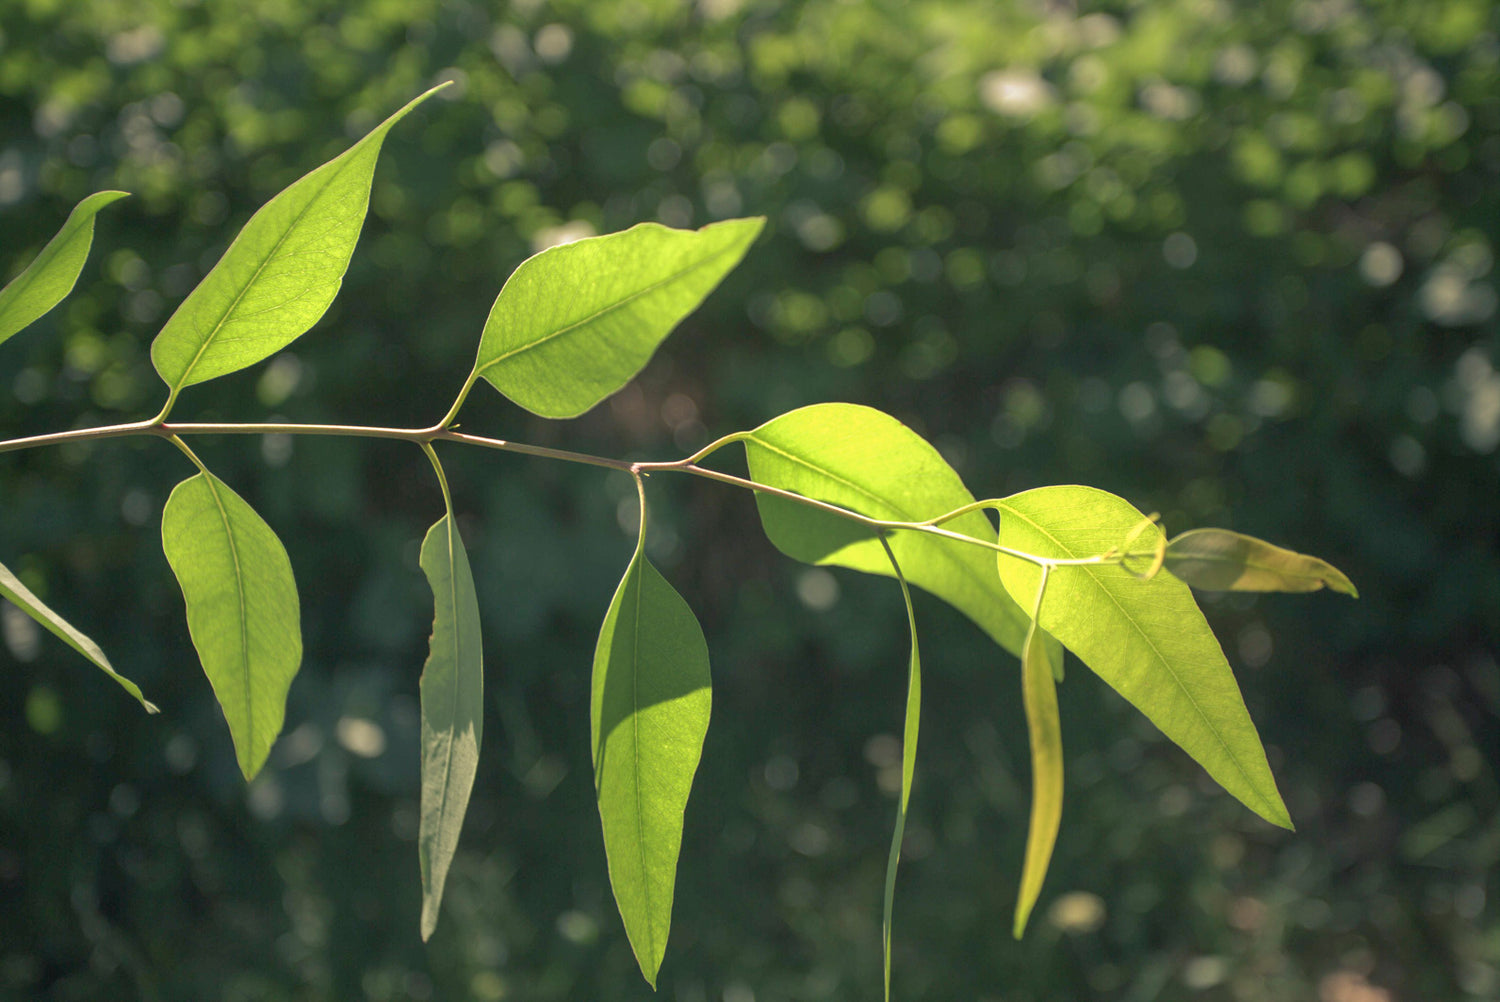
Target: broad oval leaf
[54, 272]
[242, 608]
[12, 588]
[1146, 638]
[1220, 560]
[279, 276]
[649, 715]
[865, 460]
[452, 689]
[575, 323]
[1039, 694]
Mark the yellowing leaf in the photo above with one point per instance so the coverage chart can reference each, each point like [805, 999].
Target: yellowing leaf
[1220, 560]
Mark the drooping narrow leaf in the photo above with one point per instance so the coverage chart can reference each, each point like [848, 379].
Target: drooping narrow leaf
[452, 710]
[867, 461]
[649, 715]
[242, 608]
[54, 272]
[12, 588]
[909, 734]
[1220, 560]
[1146, 638]
[1039, 694]
[575, 323]
[280, 274]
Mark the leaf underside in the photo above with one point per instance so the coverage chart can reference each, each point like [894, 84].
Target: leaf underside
[1039, 694]
[1146, 638]
[575, 323]
[910, 730]
[49, 278]
[281, 273]
[242, 608]
[1220, 560]
[452, 689]
[649, 714]
[12, 589]
[864, 460]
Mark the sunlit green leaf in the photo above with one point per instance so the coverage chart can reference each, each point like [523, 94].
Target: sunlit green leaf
[242, 608]
[909, 734]
[1039, 694]
[649, 715]
[575, 323]
[12, 588]
[54, 272]
[452, 710]
[1146, 638]
[1220, 560]
[866, 461]
[280, 274]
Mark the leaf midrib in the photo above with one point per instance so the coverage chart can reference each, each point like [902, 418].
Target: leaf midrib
[1171, 672]
[617, 305]
[239, 589]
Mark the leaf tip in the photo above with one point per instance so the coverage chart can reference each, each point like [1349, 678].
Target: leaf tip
[150, 706]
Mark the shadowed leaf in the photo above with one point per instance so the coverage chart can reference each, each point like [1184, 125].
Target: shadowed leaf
[1220, 560]
[1039, 694]
[452, 710]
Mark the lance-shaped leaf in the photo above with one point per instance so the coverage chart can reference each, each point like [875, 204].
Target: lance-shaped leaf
[909, 734]
[242, 608]
[12, 588]
[1039, 694]
[280, 274]
[54, 272]
[452, 710]
[1220, 560]
[575, 323]
[1146, 638]
[649, 715]
[866, 461]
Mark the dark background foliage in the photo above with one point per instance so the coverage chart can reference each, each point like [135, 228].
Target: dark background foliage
[1234, 262]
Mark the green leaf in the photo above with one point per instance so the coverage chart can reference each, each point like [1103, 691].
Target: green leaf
[242, 608]
[910, 729]
[452, 710]
[575, 323]
[12, 588]
[1220, 560]
[280, 274]
[1146, 638]
[866, 461]
[649, 715]
[1039, 694]
[54, 272]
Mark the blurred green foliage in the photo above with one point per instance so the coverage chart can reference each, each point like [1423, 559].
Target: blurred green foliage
[1234, 262]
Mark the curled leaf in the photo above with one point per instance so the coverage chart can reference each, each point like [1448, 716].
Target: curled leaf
[1039, 693]
[1220, 560]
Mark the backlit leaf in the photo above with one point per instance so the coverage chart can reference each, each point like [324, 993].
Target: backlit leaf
[1039, 694]
[280, 274]
[1146, 638]
[452, 710]
[12, 588]
[866, 461]
[54, 272]
[575, 323]
[649, 715]
[909, 733]
[1220, 560]
[242, 608]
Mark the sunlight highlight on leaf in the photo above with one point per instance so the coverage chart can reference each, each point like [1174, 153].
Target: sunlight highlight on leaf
[242, 608]
[51, 276]
[648, 714]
